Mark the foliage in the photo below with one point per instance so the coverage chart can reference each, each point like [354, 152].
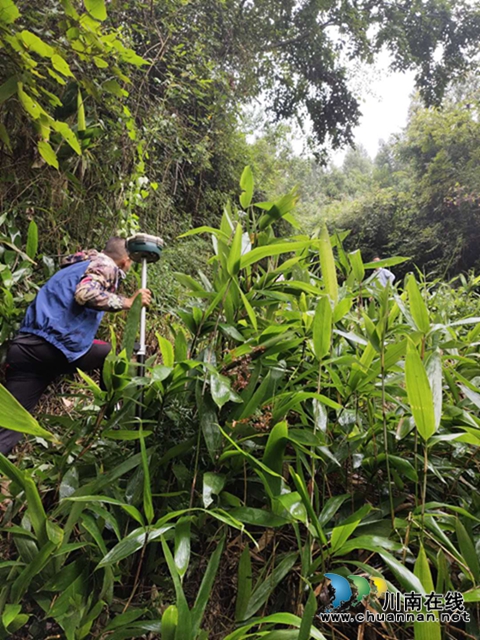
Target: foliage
[279, 441]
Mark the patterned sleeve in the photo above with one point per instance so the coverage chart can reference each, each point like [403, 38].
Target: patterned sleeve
[97, 288]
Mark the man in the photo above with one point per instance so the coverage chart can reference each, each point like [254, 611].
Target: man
[58, 331]
[382, 275]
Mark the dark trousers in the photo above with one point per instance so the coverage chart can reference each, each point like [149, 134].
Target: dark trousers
[33, 364]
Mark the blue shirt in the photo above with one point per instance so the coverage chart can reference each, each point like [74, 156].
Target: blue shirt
[55, 316]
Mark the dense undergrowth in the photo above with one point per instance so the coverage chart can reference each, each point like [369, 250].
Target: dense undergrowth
[298, 419]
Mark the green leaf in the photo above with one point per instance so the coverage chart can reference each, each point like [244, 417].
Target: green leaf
[246, 184]
[81, 124]
[428, 630]
[205, 591]
[21, 584]
[233, 259]
[255, 255]
[132, 543]
[32, 240]
[264, 589]
[16, 418]
[182, 545]
[327, 264]
[31, 106]
[167, 350]
[48, 154]
[169, 622]
[213, 484]
[61, 65]
[184, 627]
[8, 11]
[67, 134]
[307, 618]
[356, 261]
[96, 8]
[221, 390]
[274, 454]
[8, 89]
[406, 578]
[322, 328]
[467, 549]
[343, 531]
[36, 44]
[418, 308]
[132, 511]
[244, 584]
[113, 87]
[419, 393]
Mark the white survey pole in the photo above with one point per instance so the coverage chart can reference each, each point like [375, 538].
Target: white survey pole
[143, 313]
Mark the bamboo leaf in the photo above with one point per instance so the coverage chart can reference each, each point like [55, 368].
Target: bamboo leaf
[322, 328]
[182, 545]
[244, 584]
[233, 259]
[428, 630]
[327, 264]
[307, 618]
[169, 622]
[246, 184]
[205, 591]
[16, 418]
[418, 308]
[467, 549]
[184, 626]
[32, 240]
[264, 590]
[419, 393]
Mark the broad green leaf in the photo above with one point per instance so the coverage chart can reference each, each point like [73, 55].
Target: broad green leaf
[343, 531]
[265, 589]
[8, 88]
[418, 308]
[467, 549]
[213, 484]
[246, 184]
[274, 454]
[36, 44]
[8, 11]
[96, 8]
[407, 579]
[132, 543]
[47, 153]
[61, 65]
[32, 240]
[244, 584]
[255, 255]
[356, 261]
[276, 618]
[327, 264]
[182, 546]
[67, 134]
[425, 630]
[21, 584]
[16, 418]
[419, 393]
[184, 627]
[233, 260]
[128, 508]
[206, 586]
[169, 622]
[322, 328]
[221, 390]
[166, 348]
[307, 618]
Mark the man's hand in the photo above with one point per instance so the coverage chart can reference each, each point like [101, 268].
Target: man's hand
[146, 298]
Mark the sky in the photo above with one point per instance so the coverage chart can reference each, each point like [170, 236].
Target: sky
[384, 107]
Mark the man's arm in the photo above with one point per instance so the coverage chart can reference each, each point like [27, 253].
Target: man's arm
[97, 288]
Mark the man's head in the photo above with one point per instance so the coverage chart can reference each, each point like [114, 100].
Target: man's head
[116, 249]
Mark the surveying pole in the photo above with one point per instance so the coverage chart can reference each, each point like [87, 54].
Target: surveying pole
[144, 249]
